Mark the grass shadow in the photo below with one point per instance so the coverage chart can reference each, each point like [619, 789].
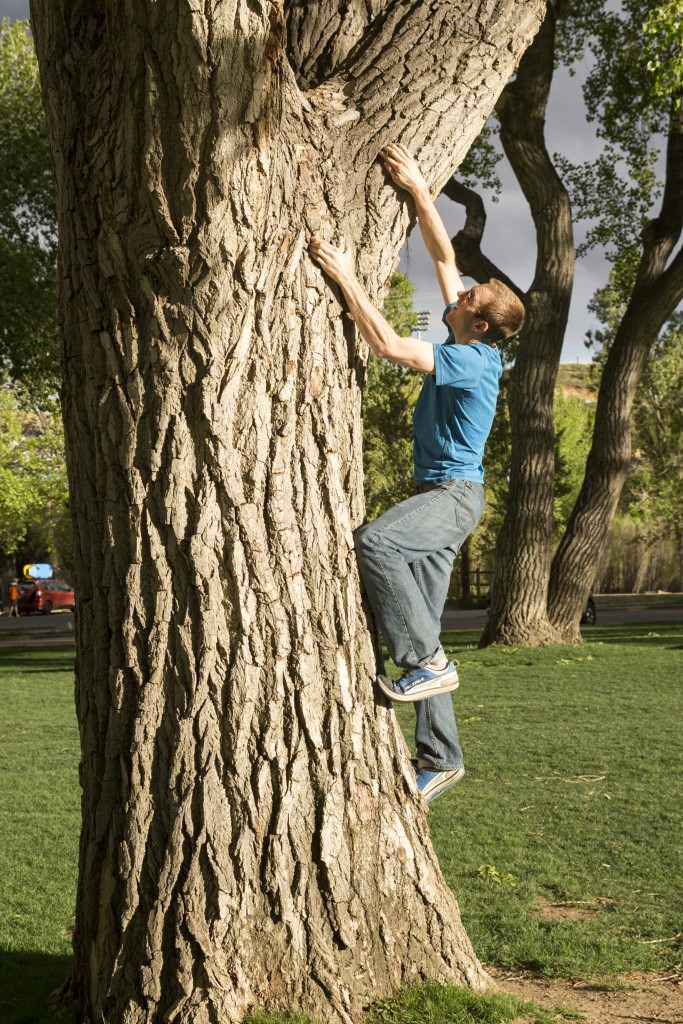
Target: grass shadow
[651, 634]
[28, 981]
[37, 666]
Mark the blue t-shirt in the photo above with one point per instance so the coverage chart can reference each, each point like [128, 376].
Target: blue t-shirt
[454, 412]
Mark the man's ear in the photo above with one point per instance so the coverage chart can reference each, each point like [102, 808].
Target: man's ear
[480, 326]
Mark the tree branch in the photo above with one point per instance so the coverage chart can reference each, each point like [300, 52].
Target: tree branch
[391, 86]
[467, 242]
[521, 111]
[672, 282]
[321, 34]
[661, 235]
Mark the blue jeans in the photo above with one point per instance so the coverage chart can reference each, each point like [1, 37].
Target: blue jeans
[405, 559]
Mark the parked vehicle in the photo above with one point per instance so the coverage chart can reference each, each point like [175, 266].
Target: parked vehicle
[44, 596]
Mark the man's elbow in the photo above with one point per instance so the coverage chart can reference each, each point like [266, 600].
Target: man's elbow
[391, 345]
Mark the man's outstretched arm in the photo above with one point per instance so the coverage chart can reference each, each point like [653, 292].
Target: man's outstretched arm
[404, 170]
[337, 262]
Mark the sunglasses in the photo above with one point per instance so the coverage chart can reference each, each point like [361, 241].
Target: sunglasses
[472, 304]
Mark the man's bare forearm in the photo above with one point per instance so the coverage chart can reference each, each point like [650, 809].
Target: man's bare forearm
[383, 340]
[373, 328]
[404, 170]
[434, 234]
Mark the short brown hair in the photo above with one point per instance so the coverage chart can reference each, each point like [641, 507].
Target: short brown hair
[504, 311]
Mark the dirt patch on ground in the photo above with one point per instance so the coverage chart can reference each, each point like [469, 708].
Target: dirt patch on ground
[644, 998]
[566, 911]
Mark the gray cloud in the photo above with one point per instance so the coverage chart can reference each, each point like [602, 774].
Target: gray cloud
[13, 9]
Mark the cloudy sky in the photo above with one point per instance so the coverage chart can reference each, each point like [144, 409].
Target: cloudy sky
[509, 238]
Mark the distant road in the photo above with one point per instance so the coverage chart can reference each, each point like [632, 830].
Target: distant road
[58, 622]
[58, 628]
[36, 630]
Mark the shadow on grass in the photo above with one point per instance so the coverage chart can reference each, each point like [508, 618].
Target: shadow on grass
[46, 663]
[653, 634]
[27, 983]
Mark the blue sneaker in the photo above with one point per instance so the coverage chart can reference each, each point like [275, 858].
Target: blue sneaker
[418, 683]
[432, 782]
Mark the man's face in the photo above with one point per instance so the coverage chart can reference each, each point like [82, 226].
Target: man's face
[464, 318]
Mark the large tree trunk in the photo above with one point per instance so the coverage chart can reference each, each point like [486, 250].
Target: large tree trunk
[657, 291]
[252, 835]
[525, 542]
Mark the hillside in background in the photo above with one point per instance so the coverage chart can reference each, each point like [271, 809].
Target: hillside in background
[578, 379]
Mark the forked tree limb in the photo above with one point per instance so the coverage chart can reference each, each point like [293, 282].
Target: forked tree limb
[467, 242]
[419, 75]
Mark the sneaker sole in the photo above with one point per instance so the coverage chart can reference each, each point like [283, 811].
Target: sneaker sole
[446, 684]
[443, 786]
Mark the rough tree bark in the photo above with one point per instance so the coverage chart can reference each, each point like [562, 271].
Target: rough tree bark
[657, 292]
[524, 547]
[252, 836]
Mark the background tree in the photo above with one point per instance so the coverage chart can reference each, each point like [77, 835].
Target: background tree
[653, 267]
[28, 237]
[17, 498]
[33, 484]
[33, 491]
[538, 597]
[573, 419]
[389, 398]
[252, 835]
[656, 488]
[573, 414]
[647, 549]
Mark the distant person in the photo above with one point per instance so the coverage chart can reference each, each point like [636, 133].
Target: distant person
[406, 555]
[13, 595]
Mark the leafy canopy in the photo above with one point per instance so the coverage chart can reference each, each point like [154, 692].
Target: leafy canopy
[655, 489]
[28, 234]
[33, 483]
[663, 38]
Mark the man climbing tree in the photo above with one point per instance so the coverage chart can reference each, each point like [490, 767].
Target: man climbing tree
[406, 556]
[252, 833]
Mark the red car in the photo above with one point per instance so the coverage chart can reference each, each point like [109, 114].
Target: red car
[44, 596]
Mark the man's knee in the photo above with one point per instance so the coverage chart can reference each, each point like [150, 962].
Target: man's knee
[364, 542]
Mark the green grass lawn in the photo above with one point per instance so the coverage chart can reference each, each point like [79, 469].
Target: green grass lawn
[562, 843]
[39, 825]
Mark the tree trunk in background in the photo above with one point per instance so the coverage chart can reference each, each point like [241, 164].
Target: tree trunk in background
[252, 835]
[524, 547]
[525, 543]
[657, 292]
